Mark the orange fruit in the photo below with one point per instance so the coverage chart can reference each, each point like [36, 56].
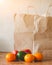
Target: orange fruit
[38, 56]
[10, 57]
[29, 58]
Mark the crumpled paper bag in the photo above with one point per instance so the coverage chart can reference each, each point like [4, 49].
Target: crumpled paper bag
[34, 32]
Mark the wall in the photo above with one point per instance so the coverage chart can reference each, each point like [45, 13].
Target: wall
[6, 26]
[7, 11]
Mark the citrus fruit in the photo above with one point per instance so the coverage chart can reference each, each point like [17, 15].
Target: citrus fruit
[10, 57]
[38, 56]
[21, 55]
[28, 58]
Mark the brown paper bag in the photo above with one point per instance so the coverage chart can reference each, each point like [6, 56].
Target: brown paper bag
[34, 32]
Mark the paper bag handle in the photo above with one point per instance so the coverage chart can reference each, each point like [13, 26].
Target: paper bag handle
[31, 8]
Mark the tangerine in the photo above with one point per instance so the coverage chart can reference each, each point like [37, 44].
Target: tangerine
[29, 58]
[10, 57]
[38, 56]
